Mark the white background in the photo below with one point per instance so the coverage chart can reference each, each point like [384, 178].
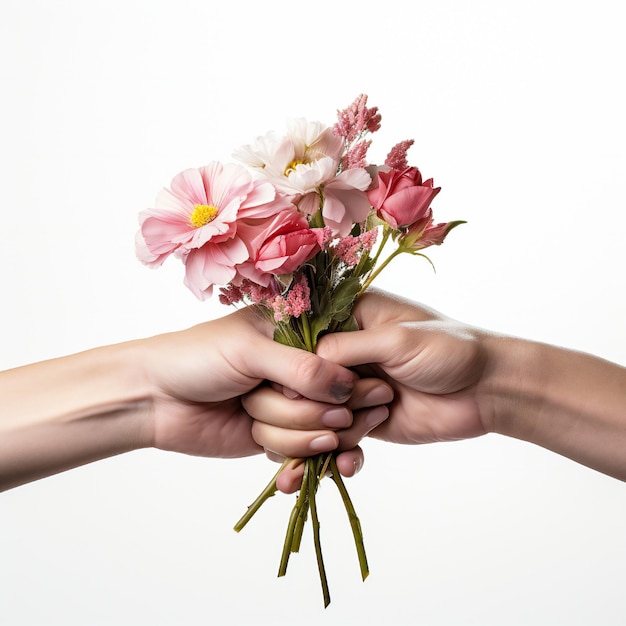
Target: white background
[517, 109]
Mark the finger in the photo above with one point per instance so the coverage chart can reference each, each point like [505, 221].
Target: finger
[267, 405]
[304, 372]
[350, 462]
[376, 307]
[288, 393]
[290, 479]
[293, 443]
[370, 392]
[356, 348]
[364, 422]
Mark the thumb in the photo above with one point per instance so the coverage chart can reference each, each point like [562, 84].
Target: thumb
[308, 374]
[357, 347]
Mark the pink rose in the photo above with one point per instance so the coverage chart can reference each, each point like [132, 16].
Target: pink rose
[279, 245]
[400, 197]
[425, 233]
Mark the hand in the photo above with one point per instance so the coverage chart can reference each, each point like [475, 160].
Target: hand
[433, 364]
[180, 391]
[452, 381]
[292, 415]
[199, 375]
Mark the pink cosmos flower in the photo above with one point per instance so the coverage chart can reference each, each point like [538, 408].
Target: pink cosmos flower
[400, 197]
[279, 245]
[198, 218]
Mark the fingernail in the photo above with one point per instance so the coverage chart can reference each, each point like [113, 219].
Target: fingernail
[379, 395]
[376, 416]
[290, 393]
[336, 418]
[341, 390]
[323, 443]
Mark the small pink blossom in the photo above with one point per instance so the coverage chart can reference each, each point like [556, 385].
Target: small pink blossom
[357, 119]
[248, 290]
[295, 303]
[231, 294]
[355, 157]
[397, 157]
[349, 249]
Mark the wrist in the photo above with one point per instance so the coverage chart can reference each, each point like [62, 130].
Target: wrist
[130, 392]
[513, 389]
[562, 400]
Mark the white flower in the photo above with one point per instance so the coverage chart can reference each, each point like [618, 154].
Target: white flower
[300, 161]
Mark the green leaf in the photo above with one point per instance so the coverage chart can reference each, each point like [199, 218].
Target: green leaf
[348, 325]
[343, 298]
[373, 221]
[319, 324]
[283, 333]
[367, 266]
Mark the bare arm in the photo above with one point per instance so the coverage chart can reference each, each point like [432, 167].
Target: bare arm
[566, 401]
[66, 412]
[179, 391]
[452, 381]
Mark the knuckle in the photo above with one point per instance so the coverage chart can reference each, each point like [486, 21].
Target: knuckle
[307, 368]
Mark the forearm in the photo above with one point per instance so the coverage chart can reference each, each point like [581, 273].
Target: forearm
[569, 402]
[69, 411]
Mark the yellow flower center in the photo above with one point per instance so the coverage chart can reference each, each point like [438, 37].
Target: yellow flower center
[292, 166]
[202, 214]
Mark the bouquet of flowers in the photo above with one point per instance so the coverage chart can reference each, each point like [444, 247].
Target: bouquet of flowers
[300, 228]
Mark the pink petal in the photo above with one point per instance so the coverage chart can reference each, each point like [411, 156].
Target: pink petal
[309, 203]
[189, 186]
[163, 231]
[357, 177]
[225, 182]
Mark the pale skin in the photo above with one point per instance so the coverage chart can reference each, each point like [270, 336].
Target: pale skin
[452, 381]
[182, 392]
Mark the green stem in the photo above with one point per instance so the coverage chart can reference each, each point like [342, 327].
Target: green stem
[355, 523]
[306, 333]
[267, 493]
[299, 509]
[383, 241]
[381, 267]
[313, 483]
[299, 529]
